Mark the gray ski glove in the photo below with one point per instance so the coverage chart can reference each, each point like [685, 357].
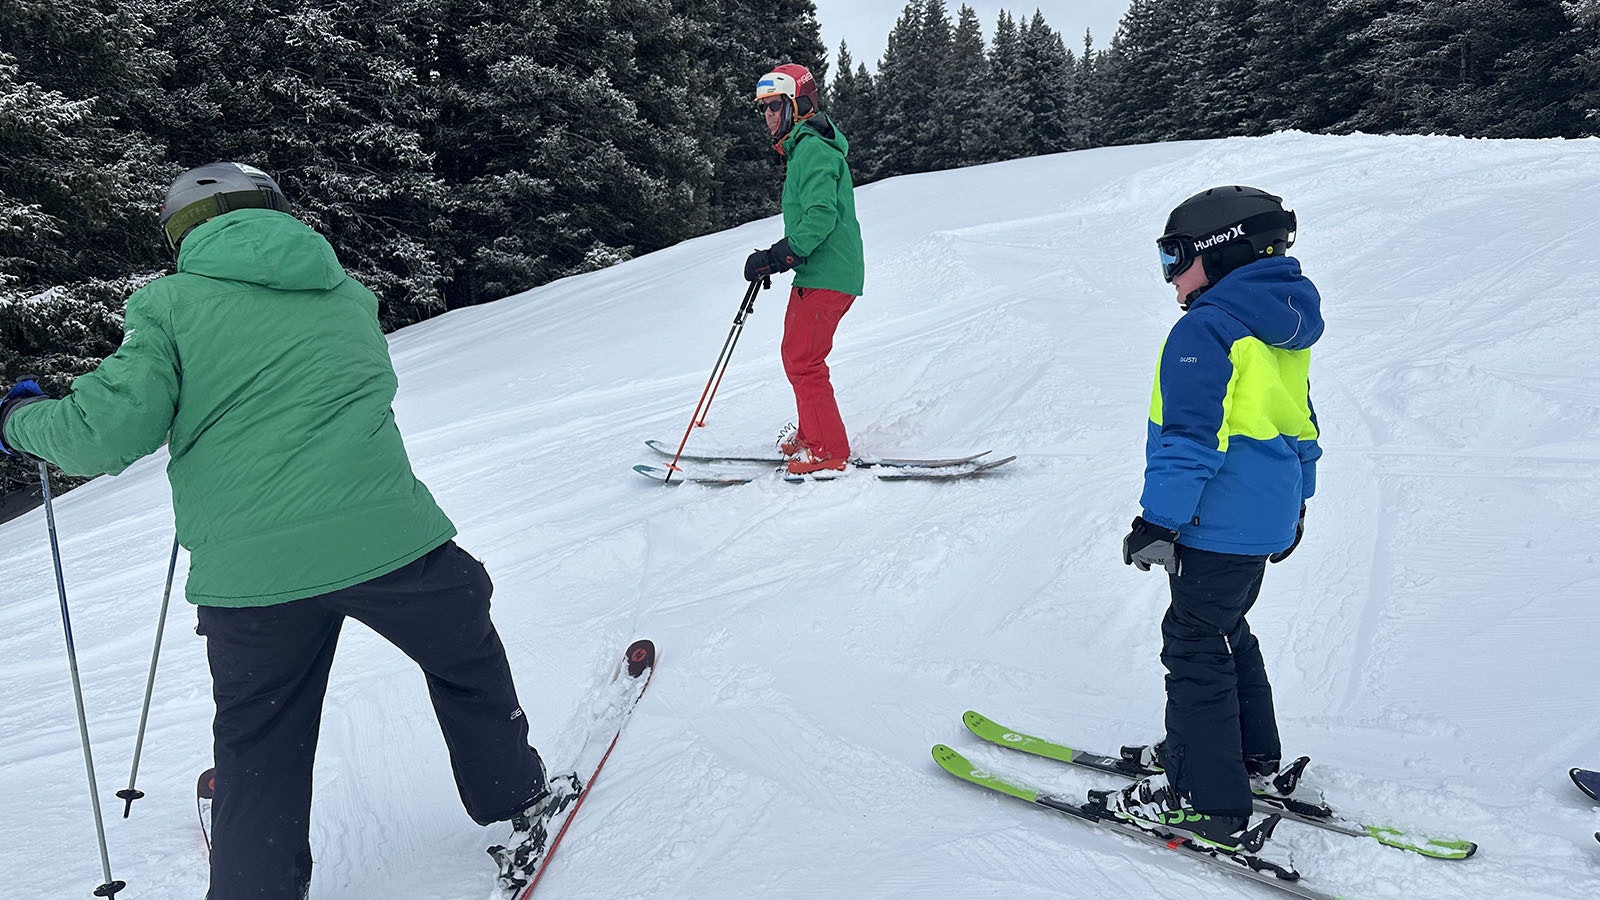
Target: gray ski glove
[1151, 545]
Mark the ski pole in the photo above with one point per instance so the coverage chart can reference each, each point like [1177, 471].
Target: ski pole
[130, 794]
[110, 887]
[746, 307]
[745, 310]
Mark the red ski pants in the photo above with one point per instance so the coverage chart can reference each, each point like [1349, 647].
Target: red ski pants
[808, 327]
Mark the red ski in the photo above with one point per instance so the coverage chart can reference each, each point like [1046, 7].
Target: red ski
[640, 664]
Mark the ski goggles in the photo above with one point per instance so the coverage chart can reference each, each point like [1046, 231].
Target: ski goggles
[1176, 256]
[1179, 251]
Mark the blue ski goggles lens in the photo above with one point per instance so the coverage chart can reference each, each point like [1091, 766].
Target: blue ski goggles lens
[1174, 257]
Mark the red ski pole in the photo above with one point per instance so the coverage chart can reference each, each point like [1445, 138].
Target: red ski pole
[746, 307]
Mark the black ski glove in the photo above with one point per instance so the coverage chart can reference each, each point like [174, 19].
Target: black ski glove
[1299, 532]
[26, 391]
[774, 259]
[1151, 545]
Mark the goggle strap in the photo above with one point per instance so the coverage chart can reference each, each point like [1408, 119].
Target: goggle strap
[200, 211]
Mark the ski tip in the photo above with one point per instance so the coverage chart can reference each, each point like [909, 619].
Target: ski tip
[975, 721]
[641, 655]
[1587, 781]
[206, 787]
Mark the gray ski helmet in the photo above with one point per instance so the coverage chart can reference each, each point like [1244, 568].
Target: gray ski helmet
[1226, 226]
[213, 189]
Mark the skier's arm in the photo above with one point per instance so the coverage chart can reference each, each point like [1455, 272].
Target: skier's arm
[1310, 451]
[1187, 447]
[115, 414]
[816, 173]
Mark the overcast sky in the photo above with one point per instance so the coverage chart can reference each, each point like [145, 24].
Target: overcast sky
[865, 24]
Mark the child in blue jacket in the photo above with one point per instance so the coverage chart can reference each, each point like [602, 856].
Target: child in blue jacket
[1231, 459]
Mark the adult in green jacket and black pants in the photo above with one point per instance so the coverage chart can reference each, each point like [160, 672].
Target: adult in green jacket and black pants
[261, 365]
[822, 244]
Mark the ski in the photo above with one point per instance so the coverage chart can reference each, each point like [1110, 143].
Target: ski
[1587, 781]
[1242, 862]
[896, 473]
[777, 460]
[204, 792]
[1318, 814]
[667, 476]
[938, 473]
[639, 664]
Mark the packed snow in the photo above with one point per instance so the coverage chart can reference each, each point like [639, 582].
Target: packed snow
[1431, 643]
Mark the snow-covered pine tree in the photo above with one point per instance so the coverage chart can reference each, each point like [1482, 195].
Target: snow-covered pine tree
[852, 104]
[1585, 61]
[1090, 93]
[79, 186]
[1277, 58]
[929, 93]
[1009, 109]
[327, 96]
[900, 109]
[745, 40]
[562, 139]
[1229, 89]
[1506, 70]
[1150, 75]
[1048, 70]
[965, 107]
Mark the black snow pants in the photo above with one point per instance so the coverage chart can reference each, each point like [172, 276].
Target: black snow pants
[269, 672]
[1219, 703]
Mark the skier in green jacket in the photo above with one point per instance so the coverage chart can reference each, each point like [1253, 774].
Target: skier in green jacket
[822, 244]
[261, 365]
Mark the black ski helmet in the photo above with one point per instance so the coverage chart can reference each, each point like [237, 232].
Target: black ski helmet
[213, 189]
[1226, 227]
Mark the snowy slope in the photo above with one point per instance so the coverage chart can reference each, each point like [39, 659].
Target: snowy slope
[1431, 642]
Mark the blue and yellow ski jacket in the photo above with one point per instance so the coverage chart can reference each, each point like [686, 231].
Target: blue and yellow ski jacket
[1232, 446]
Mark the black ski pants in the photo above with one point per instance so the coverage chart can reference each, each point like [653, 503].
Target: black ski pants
[269, 672]
[1219, 703]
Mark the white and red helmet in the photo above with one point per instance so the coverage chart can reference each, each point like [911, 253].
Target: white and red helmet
[794, 82]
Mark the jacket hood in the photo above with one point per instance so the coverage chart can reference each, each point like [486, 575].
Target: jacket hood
[1270, 297]
[261, 246]
[818, 126]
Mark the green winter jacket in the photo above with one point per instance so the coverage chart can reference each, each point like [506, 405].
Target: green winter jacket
[819, 209]
[262, 366]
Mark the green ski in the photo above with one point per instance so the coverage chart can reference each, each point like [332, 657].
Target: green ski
[1317, 814]
[1241, 862]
